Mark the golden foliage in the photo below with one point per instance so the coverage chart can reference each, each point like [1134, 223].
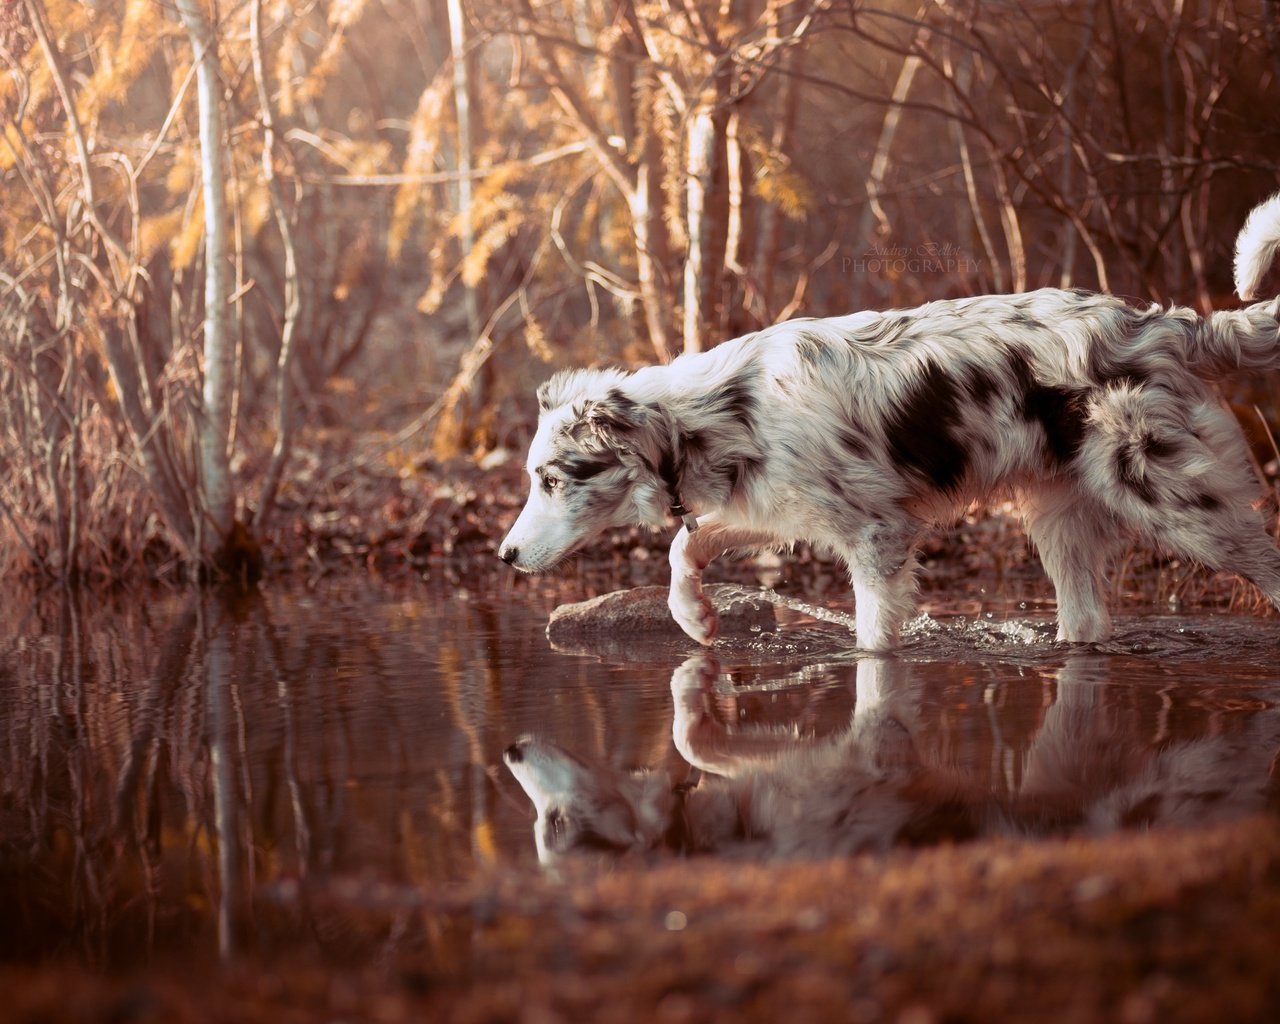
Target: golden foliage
[182, 170]
[535, 339]
[187, 243]
[255, 205]
[12, 148]
[283, 67]
[430, 300]
[425, 131]
[775, 181]
[160, 230]
[342, 15]
[69, 18]
[497, 213]
[123, 54]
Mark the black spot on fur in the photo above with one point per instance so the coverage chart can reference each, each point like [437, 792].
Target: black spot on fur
[669, 471]
[544, 396]
[723, 472]
[1019, 318]
[691, 443]
[1128, 474]
[1060, 411]
[1208, 502]
[734, 399]
[1107, 368]
[611, 419]
[921, 430]
[852, 442]
[742, 471]
[1110, 373]
[623, 410]
[811, 350]
[981, 384]
[584, 467]
[1020, 370]
[892, 327]
[1155, 448]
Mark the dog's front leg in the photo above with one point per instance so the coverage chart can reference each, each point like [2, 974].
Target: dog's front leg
[691, 553]
[704, 740]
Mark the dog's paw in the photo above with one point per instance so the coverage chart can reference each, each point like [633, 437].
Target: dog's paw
[694, 678]
[694, 613]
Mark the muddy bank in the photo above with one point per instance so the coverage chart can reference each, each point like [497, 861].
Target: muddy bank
[1136, 928]
[448, 519]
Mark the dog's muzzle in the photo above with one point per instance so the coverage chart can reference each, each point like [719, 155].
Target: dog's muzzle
[509, 553]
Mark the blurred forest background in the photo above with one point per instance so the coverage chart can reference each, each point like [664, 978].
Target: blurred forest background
[284, 274]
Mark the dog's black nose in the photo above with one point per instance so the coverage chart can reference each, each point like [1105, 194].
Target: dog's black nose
[509, 554]
[514, 754]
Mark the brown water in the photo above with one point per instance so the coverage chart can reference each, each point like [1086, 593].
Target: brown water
[183, 778]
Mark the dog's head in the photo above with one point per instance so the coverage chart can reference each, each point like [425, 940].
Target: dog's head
[592, 466]
[583, 807]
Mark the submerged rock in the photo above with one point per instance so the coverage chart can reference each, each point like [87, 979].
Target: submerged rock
[642, 614]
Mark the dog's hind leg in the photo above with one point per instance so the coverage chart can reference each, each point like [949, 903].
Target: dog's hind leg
[1226, 538]
[1074, 537]
[882, 566]
[1251, 554]
[1179, 474]
[690, 554]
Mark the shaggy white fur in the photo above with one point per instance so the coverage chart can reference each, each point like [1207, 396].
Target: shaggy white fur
[858, 432]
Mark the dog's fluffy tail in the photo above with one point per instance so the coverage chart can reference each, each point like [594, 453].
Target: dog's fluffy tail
[1257, 246]
[1249, 338]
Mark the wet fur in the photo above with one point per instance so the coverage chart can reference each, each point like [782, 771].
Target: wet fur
[857, 433]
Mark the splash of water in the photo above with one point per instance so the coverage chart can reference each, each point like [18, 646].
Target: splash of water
[1221, 638]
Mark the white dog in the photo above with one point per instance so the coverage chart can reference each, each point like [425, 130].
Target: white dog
[858, 432]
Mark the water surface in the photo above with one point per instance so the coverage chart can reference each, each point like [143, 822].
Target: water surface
[186, 777]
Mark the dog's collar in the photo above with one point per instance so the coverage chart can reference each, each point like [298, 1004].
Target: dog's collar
[683, 514]
[669, 473]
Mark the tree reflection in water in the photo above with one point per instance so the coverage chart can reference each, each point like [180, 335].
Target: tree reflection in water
[192, 777]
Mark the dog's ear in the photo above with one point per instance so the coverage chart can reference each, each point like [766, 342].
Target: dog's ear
[549, 393]
[616, 421]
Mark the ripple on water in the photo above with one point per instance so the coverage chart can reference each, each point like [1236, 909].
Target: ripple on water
[807, 629]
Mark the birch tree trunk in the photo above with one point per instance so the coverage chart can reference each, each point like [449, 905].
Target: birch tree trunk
[292, 284]
[462, 106]
[706, 220]
[770, 228]
[875, 222]
[218, 505]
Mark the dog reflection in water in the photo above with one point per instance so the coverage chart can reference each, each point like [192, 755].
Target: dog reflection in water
[868, 789]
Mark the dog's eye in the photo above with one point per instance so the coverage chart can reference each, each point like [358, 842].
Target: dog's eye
[557, 822]
[550, 482]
